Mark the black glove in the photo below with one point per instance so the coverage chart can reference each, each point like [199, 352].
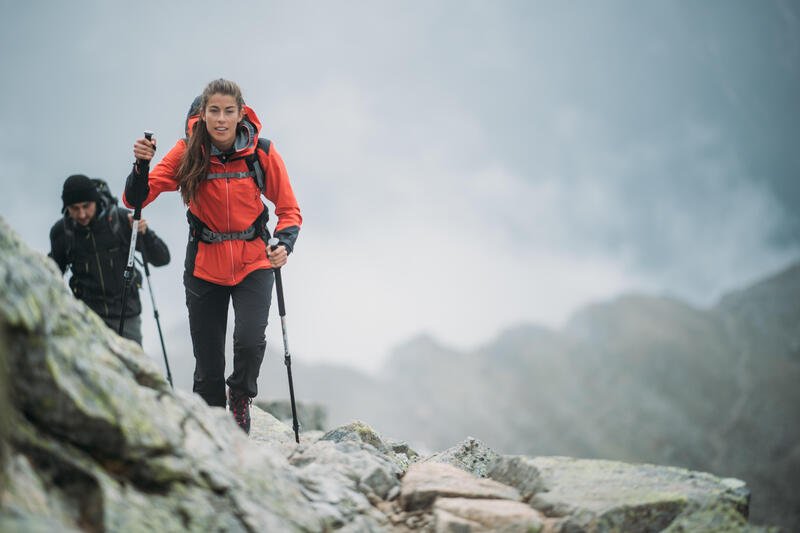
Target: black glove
[137, 187]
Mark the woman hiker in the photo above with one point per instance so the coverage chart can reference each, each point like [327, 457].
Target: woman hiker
[221, 169]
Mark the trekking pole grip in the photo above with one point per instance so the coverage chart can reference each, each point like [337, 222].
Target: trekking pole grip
[144, 164]
[143, 168]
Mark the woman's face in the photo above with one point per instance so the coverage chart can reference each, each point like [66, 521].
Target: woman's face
[221, 116]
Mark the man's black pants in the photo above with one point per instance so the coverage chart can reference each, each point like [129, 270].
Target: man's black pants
[132, 329]
[208, 319]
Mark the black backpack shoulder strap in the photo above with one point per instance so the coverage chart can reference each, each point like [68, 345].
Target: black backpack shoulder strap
[117, 228]
[255, 165]
[264, 144]
[69, 239]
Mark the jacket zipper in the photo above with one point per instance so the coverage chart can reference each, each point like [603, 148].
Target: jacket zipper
[228, 213]
[228, 218]
[100, 271]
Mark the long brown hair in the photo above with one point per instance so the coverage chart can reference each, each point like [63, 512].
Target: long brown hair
[195, 159]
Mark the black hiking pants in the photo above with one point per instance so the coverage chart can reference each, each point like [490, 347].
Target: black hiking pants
[208, 319]
[132, 329]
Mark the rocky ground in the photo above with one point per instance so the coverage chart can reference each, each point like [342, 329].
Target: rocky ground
[96, 441]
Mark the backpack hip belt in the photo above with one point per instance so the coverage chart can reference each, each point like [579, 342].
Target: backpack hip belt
[207, 236]
[201, 232]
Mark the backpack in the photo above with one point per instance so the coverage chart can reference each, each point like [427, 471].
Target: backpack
[110, 211]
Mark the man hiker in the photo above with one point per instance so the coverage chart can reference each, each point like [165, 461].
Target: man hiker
[93, 239]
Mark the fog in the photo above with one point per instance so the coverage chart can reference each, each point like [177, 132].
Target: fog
[461, 166]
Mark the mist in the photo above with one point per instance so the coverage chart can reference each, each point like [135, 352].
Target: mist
[461, 166]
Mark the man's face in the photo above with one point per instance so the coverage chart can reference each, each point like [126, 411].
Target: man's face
[82, 212]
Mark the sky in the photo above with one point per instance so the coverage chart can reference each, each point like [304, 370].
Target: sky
[462, 166]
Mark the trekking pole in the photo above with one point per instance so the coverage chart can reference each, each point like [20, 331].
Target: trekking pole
[127, 280]
[155, 315]
[287, 358]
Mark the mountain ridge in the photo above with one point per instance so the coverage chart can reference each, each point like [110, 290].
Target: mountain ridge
[637, 377]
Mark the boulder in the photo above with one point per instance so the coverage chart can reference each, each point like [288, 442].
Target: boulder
[715, 517]
[266, 430]
[461, 515]
[424, 482]
[342, 480]
[21, 523]
[99, 441]
[472, 456]
[404, 448]
[370, 471]
[603, 496]
[358, 431]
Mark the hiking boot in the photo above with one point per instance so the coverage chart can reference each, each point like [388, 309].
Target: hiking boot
[239, 405]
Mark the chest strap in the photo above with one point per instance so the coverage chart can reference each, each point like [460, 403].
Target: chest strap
[254, 166]
[235, 175]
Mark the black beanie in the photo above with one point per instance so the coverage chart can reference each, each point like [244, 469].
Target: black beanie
[78, 188]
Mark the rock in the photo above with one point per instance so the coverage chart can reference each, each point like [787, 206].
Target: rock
[32, 524]
[368, 470]
[248, 489]
[96, 440]
[360, 432]
[424, 482]
[310, 437]
[600, 496]
[310, 416]
[5, 407]
[450, 523]
[26, 496]
[472, 456]
[716, 517]
[402, 447]
[99, 437]
[267, 430]
[473, 516]
[362, 524]
[393, 493]
[333, 494]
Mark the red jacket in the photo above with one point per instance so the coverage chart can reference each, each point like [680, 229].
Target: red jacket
[230, 205]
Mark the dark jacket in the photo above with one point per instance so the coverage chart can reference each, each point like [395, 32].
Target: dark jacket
[97, 257]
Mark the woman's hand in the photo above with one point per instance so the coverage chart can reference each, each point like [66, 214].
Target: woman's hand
[277, 256]
[144, 149]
